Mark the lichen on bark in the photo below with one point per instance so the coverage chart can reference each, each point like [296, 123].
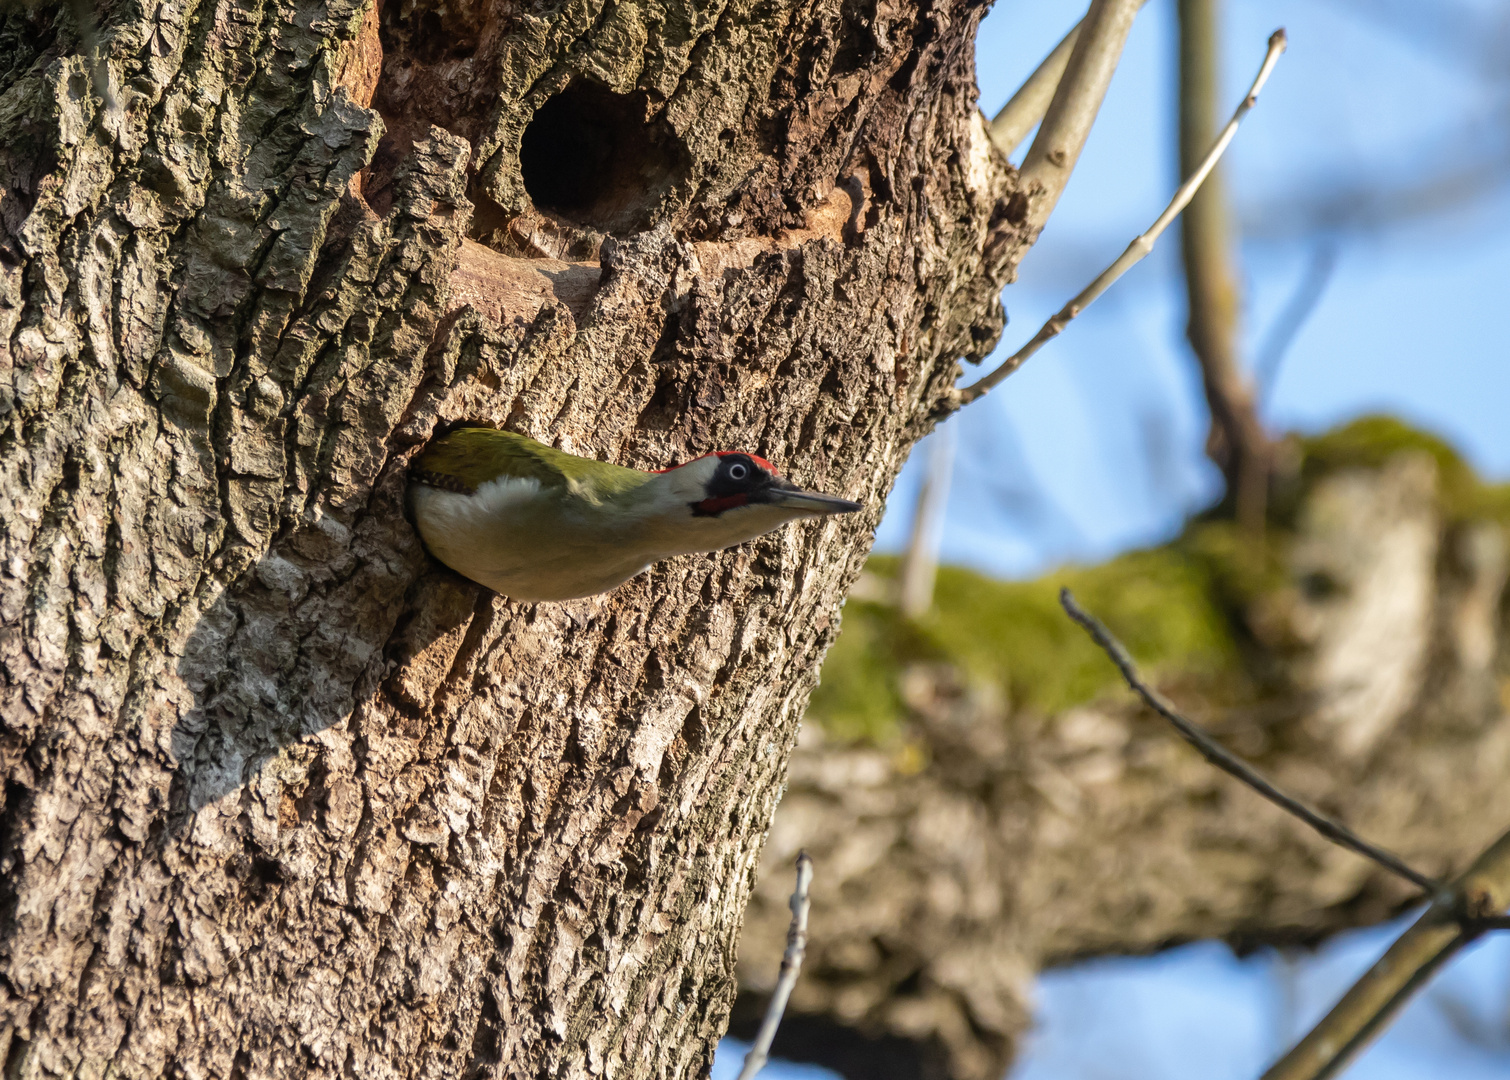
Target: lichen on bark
[283, 797]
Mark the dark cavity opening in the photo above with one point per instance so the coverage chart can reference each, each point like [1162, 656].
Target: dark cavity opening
[596, 158]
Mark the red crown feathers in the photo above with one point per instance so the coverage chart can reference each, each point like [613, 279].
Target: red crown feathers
[756, 458]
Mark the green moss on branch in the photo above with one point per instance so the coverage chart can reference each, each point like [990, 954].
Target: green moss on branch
[1182, 608]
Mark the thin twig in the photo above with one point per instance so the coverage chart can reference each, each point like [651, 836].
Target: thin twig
[1223, 759]
[791, 964]
[1290, 321]
[1077, 98]
[1138, 248]
[1456, 916]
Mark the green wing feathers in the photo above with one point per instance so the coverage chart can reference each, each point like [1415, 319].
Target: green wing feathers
[467, 457]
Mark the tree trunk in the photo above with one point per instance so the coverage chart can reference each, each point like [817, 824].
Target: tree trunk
[283, 797]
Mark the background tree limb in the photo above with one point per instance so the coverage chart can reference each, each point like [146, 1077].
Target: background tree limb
[1238, 442]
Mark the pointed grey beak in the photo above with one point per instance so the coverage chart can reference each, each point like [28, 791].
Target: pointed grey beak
[810, 502]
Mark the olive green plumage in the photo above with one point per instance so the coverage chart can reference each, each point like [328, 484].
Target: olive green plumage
[533, 523]
[468, 457]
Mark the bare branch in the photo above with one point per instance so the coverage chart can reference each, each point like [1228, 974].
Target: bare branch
[1229, 763]
[1077, 98]
[791, 964]
[1471, 165]
[920, 562]
[1026, 107]
[1011, 125]
[1137, 249]
[1238, 444]
[1456, 916]
[1488, 923]
[1461, 37]
[1292, 319]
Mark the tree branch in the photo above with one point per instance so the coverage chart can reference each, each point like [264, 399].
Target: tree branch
[1136, 250]
[791, 965]
[1077, 98]
[920, 562]
[1456, 916]
[1011, 125]
[1238, 443]
[1229, 763]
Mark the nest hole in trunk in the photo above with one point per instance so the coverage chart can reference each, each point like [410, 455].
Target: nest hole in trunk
[600, 159]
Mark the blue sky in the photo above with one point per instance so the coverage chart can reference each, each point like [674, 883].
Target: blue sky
[1095, 446]
[1199, 1013]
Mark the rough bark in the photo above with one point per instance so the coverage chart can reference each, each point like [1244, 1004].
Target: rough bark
[1381, 658]
[283, 797]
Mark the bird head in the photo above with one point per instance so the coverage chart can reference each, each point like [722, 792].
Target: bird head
[727, 497]
[535, 523]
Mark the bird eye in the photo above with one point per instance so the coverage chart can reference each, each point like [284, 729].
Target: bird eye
[738, 471]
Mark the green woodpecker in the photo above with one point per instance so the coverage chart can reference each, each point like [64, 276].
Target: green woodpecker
[534, 523]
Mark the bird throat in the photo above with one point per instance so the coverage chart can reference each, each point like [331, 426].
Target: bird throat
[715, 506]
